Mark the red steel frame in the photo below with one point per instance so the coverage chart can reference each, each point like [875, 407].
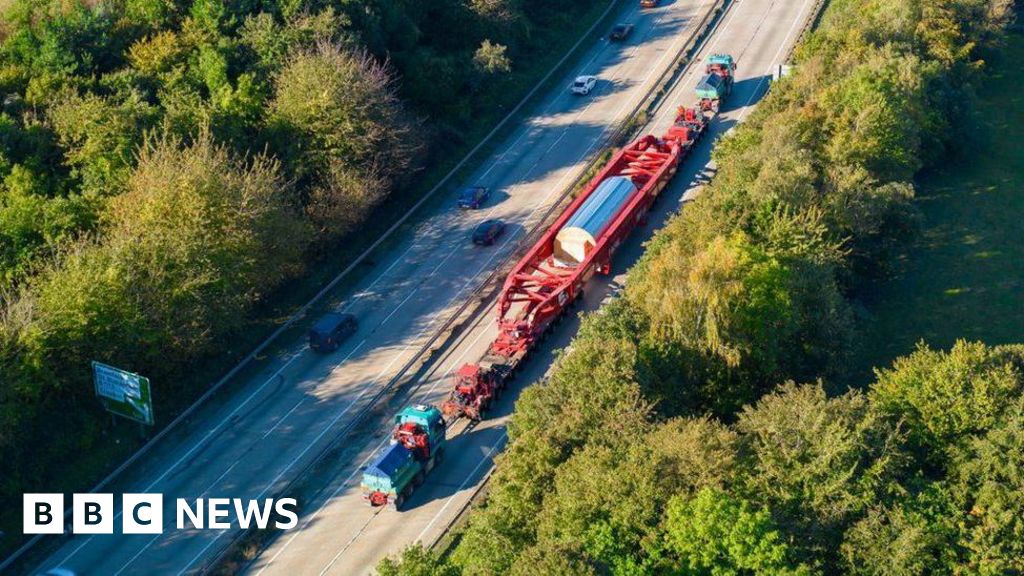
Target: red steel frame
[536, 291]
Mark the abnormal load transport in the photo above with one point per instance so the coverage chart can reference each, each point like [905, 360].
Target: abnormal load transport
[546, 283]
[579, 235]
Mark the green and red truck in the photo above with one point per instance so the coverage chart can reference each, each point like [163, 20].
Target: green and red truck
[417, 446]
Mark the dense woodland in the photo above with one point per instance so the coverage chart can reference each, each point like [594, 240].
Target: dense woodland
[700, 424]
[166, 166]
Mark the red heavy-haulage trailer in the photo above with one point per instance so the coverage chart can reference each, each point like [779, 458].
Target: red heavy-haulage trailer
[550, 278]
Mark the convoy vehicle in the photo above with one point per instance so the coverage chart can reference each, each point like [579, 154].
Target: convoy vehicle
[550, 278]
[487, 232]
[330, 331]
[620, 32]
[541, 288]
[583, 85]
[476, 387]
[417, 446]
[719, 72]
[473, 197]
[688, 128]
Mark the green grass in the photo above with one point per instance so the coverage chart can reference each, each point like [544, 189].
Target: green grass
[964, 276]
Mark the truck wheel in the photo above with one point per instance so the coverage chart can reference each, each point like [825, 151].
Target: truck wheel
[398, 502]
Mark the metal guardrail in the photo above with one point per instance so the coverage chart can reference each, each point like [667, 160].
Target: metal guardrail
[488, 287]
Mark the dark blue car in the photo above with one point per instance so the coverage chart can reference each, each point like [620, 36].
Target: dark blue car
[487, 232]
[473, 197]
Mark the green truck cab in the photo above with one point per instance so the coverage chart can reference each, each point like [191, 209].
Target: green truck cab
[716, 84]
[417, 446]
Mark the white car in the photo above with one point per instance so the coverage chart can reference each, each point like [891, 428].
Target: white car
[584, 84]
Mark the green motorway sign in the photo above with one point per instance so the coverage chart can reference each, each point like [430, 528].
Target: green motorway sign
[123, 393]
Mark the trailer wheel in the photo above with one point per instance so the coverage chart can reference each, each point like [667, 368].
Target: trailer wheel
[418, 479]
[397, 503]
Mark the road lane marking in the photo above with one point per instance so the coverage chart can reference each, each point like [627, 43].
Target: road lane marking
[400, 258]
[486, 458]
[223, 474]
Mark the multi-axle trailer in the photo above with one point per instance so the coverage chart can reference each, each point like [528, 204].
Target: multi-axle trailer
[546, 283]
[550, 278]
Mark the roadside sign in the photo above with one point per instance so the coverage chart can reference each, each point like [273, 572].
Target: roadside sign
[123, 393]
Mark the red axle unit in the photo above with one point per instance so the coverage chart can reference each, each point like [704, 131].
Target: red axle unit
[581, 241]
[414, 438]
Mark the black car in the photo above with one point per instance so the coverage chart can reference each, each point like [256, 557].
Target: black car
[487, 232]
[330, 331]
[620, 32]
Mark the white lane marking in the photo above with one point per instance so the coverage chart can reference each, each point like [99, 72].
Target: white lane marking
[486, 458]
[501, 440]
[237, 460]
[351, 301]
[775, 58]
[508, 239]
[295, 460]
[373, 452]
[492, 164]
[157, 537]
[691, 74]
[195, 447]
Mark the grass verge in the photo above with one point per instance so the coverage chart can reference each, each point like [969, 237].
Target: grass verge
[963, 277]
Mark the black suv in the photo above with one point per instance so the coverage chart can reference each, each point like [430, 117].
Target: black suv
[330, 331]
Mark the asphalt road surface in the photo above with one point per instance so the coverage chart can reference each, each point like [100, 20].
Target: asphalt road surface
[253, 444]
[339, 533]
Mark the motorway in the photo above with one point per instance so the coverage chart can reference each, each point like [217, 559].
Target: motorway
[296, 405]
[338, 533]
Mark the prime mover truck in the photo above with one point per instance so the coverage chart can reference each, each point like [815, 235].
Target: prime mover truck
[417, 446]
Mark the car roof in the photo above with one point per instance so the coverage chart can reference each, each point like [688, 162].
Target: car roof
[583, 78]
[330, 320]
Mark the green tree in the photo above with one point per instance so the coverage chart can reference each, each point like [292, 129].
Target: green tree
[916, 535]
[492, 58]
[988, 481]
[415, 560]
[339, 128]
[817, 463]
[944, 397]
[715, 533]
[99, 138]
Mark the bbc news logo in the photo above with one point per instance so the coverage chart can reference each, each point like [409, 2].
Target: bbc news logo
[144, 513]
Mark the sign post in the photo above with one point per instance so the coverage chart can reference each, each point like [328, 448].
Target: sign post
[123, 393]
